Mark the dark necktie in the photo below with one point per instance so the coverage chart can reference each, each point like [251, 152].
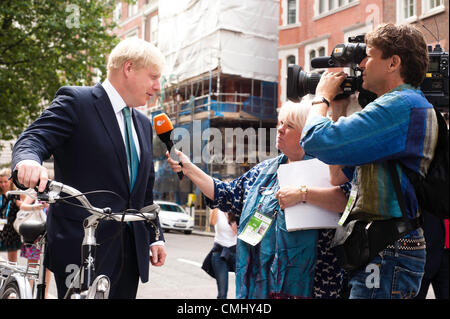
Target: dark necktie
[132, 156]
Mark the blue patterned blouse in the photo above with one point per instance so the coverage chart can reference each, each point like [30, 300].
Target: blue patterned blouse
[284, 264]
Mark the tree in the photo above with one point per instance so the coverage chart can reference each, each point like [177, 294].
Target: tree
[45, 45]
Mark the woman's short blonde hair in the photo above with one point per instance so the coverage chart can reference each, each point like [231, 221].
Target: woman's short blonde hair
[140, 52]
[295, 113]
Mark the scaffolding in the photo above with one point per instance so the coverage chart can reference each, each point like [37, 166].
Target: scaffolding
[222, 70]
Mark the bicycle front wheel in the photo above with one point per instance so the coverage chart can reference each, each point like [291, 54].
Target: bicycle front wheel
[11, 291]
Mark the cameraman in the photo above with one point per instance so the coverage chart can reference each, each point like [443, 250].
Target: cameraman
[399, 125]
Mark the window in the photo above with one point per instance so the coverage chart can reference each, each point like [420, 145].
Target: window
[320, 51]
[312, 54]
[289, 18]
[331, 4]
[406, 11]
[322, 6]
[290, 60]
[292, 12]
[435, 3]
[431, 7]
[154, 29]
[132, 9]
[326, 7]
[286, 57]
[117, 15]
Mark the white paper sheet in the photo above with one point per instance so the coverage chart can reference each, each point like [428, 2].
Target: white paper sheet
[306, 216]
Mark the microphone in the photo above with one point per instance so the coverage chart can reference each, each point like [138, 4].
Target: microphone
[326, 62]
[163, 127]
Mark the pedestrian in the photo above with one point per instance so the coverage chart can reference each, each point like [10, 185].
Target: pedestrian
[9, 238]
[223, 257]
[100, 141]
[282, 264]
[398, 125]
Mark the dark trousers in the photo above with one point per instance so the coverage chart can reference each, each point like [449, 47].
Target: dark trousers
[437, 276]
[125, 277]
[220, 267]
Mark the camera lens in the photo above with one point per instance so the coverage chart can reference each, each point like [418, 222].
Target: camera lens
[300, 83]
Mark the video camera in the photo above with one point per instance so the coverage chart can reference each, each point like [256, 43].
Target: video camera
[435, 84]
[300, 83]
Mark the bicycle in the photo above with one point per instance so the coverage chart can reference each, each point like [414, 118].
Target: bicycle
[14, 278]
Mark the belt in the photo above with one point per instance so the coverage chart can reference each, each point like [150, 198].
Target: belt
[409, 244]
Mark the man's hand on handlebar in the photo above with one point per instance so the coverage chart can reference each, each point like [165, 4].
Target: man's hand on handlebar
[30, 173]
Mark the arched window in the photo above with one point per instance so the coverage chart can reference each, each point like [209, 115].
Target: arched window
[290, 60]
[321, 51]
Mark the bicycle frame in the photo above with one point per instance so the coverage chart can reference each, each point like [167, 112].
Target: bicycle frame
[21, 275]
[90, 286]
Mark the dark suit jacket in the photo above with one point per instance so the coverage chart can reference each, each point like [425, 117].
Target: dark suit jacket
[80, 130]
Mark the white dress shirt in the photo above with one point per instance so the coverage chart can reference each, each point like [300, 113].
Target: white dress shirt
[118, 104]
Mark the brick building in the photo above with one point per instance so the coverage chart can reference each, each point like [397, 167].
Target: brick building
[221, 73]
[312, 28]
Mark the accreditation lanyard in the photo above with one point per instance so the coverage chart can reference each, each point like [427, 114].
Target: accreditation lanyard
[259, 222]
[4, 221]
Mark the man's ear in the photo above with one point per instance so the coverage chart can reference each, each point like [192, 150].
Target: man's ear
[127, 68]
[395, 64]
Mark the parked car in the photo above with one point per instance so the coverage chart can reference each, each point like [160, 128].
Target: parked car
[173, 217]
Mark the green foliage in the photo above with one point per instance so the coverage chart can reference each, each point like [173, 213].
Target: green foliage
[47, 44]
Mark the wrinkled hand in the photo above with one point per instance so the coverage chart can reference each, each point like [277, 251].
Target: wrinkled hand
[330, 84]
[175, 165]
[30, 172]
[288, 196]
[158, 255]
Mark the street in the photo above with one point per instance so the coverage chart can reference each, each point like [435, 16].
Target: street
[181, 276]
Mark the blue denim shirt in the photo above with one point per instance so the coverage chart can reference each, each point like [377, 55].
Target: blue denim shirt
[399, 125]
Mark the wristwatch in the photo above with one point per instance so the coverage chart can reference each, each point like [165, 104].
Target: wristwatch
[304, 191]
[320, 99]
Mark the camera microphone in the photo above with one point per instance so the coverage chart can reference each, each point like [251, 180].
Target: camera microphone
[163, 127]
[321, 62]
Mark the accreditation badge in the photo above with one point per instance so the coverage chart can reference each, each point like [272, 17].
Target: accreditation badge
[350, 203]
[256, 228]
[3, 222]
[260, 222]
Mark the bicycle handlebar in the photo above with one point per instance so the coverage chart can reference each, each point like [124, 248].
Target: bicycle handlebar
[54, 189]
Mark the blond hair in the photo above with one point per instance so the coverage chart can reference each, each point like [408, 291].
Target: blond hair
[295, 113]
[140, 52]
[5, 172]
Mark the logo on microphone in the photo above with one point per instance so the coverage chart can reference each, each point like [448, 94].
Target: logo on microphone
[160, 122]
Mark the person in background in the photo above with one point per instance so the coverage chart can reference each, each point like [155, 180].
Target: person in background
[223, 257]
[283, 264]
[9, 238]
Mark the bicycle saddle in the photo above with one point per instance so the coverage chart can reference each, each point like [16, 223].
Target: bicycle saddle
[30, 230]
